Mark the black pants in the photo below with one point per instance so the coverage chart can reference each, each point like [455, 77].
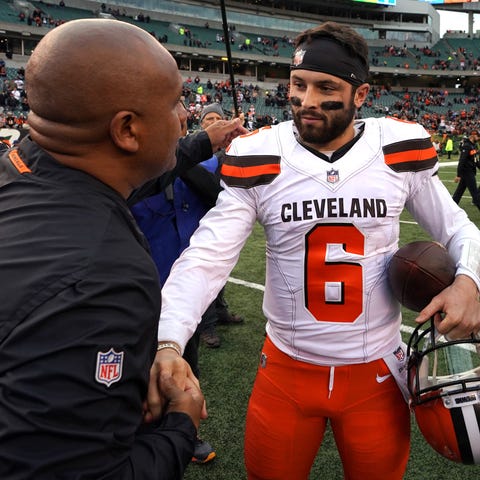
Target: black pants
[208, 322]
[467, 180]
[190, 354]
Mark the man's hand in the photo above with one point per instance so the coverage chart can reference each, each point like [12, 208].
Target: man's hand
[222, 132]
[167, 364]
[456, 179]
[189, 401]
[456, 309]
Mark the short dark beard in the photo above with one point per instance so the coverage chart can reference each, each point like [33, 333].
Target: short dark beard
[334, 124]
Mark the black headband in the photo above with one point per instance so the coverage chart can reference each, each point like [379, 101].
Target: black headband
[326, 55]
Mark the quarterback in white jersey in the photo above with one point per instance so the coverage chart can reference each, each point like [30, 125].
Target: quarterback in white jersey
[329, 192]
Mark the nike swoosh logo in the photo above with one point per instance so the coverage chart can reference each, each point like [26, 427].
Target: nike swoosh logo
[383, 378]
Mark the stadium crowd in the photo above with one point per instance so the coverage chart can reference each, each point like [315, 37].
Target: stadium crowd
[438, 110]
[259, 107]
[457, 114]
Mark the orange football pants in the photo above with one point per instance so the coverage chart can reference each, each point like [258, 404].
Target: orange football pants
[291, 403]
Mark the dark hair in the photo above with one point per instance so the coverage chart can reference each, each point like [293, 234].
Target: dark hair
[343, 34]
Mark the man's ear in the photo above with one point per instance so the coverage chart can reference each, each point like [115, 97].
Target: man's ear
[124, 130]
[361, 94]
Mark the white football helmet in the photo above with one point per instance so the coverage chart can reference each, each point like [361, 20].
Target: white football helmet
[444, 384]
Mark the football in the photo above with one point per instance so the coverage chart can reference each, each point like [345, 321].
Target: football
[418, 271]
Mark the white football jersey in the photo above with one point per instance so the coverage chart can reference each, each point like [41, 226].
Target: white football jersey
[331, 229]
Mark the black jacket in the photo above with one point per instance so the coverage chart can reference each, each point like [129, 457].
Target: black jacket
[80, 302]
[468, 157]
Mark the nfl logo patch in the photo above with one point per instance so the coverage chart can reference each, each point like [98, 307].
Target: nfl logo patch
[109, 367]
[400, 354]
[298, 57]
[332, 176]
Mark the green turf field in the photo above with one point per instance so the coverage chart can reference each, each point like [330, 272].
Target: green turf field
[227, 375]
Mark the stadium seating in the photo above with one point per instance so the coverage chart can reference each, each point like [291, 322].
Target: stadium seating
[8, 13]
[56, 12]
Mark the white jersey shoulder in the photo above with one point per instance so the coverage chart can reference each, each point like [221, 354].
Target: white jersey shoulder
[396, 130]
[263, 140]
